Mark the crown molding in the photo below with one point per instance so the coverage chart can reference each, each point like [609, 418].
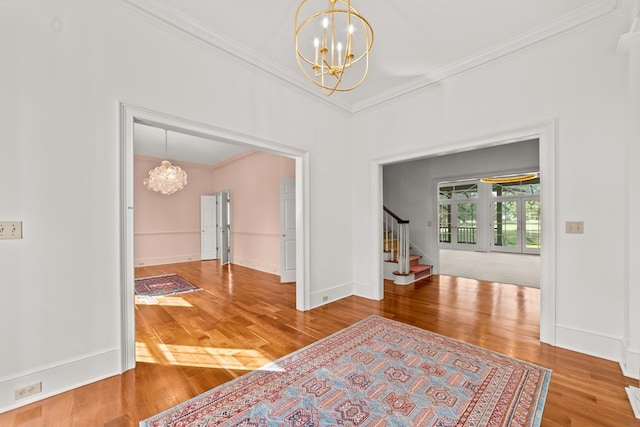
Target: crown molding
[191, 29]
[628, 42]
[194, 31]
[585, 15]
[631, 40]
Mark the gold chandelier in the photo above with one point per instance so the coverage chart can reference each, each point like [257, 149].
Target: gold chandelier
[509, 178]
[166, 178]
[331, 42]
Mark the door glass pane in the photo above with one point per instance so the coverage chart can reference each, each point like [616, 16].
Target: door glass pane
[467, 191]
[444, 222]
[458, 191]
[505, 224]
[532, 224]
[519, 188]
[445, 193]
[467, 223]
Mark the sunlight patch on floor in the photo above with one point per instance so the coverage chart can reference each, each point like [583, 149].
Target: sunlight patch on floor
[164, 301]
[205, 357]
[143, 354]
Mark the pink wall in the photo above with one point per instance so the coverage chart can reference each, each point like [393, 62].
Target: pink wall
[167, 228]
[254, 183]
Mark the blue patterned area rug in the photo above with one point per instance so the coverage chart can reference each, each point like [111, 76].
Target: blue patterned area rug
[169, 284]
[377, 373]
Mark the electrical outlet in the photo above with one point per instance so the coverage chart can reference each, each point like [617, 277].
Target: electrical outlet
[10, 230]
[28, 390]
[574, 227]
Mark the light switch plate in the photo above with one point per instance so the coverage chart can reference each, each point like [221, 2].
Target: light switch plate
[10, 230]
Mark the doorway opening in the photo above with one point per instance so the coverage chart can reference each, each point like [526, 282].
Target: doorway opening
[130, 115]
[215, 223]
[490, 230]
[545, 134]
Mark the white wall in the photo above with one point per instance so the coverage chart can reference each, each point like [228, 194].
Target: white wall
[578, 83]
[66, 66]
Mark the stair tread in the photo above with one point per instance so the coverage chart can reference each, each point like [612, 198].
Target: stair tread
[414, 269]
[411, 257]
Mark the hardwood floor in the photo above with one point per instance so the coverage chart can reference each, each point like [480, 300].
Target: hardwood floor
[241, 319]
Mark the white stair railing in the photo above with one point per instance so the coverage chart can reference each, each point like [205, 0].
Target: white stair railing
[396, 229]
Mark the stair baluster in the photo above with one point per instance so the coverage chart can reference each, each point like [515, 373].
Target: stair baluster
[396, 230]
[403, 248]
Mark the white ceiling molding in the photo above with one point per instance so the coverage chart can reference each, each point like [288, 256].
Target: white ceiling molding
[193, 30]
[183, 25]
[628, 41]
[632, 38]
[589, 13]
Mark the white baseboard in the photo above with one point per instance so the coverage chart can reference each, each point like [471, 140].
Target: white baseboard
[61, 377]
[335, 293]
[634, 399]
[591, 343]
[167, 260]
[257, 265]
[630, 362]
[366, 291]
[388, 268]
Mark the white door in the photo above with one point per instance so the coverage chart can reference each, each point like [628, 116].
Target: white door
[458, 222]
[223, 226]
[287, 230]
[458, 215]
[516, 224]
[208, 227]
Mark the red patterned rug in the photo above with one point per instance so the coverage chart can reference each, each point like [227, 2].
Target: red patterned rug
[170, 284]
[377, 372]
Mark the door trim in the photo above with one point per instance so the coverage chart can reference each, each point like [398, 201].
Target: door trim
[546, 133]
[130, 114]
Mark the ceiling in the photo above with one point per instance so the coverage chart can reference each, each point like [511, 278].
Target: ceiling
[149, 141]
[417, 43]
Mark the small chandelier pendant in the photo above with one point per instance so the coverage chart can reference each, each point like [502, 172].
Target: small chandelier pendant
[332, 45]
[166, 178]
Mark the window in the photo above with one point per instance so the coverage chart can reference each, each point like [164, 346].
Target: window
[458, 218]
[516, 216]
[511, 208]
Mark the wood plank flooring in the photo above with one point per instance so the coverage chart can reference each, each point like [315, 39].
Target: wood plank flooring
[242, 319]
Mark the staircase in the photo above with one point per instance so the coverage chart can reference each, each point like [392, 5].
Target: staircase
[400, 266]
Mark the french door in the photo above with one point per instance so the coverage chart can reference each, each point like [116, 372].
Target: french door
[516, 224]
[508, 212]
[458, 216]
[223, 226]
